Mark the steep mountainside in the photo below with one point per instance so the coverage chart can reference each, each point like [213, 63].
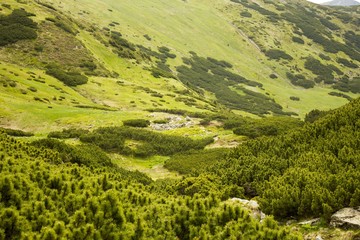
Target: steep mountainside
[258, 57]
[342, 3]
[90, 89]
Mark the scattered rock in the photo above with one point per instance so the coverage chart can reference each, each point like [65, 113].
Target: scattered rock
[253, 206]
[174, 122]
[346, 218]
[318, 237]
[290, 222]
[310, 222]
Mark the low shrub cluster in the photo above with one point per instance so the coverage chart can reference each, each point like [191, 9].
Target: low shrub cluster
[17, 26]
[113, 139]
[300, 80]
[348, 85]
[44, 200]
[195, 161]
[277, 54]
[270, 126]
[214, 76]
[315, 29]
[69, 78]
[16, 132]
[307, 172]
[141, 123]
[337, 94]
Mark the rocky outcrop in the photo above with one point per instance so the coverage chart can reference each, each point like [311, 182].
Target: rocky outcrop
[346, 218]
[252, 206]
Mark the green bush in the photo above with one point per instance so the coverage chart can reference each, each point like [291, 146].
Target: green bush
[68, 133]
[337, 94]
[113, 139]
[43, 200]
[314, 115]
[88, 155]
[277, 54]
[300, 80]
[214, 76]
[246, 14]
[142, 123]
[15, 132]
[304, 173]
[347, 63]
[348, 85]
[194, 161]
[269, 126]
[69, 78]
[17, 26]
[293, 98]
[298, 40]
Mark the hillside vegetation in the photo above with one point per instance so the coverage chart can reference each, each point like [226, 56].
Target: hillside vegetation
[205, 102]
[63, 200]
[312, 171]
[264, 58]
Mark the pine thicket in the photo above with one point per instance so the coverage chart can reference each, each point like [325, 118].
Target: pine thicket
[43, 198]
[313, 171]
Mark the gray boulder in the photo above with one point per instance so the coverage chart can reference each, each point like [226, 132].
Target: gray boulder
[346, 218]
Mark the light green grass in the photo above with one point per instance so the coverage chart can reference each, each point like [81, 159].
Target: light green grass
[206, 28]
[152, 166]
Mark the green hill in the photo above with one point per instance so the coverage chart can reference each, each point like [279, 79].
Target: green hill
[306, 172]
[135, 55]
[91, 89]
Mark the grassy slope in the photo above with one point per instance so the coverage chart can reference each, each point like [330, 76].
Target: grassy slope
[205, 28]
[208, 30]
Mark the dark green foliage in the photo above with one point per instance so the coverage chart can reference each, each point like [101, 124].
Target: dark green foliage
[64, 26]
[246, 14]
[273, 76]
[277, 54]
[147, 37]
[151, 143]
[300, 80]
[5, 5]
[158, 72]
[270, 126]
[118, 41]
[324, 72]
[17, 26]
[68, 133]
[33, 89]
[69, 78]
[88, 155]
[91, 66]
[15, 132]
[195, 161]
[307, 172]
[353, 39]
[142, 123]
[313, 28]
[298, 40]
[337, 94]
[263, 11]
[293, 98]
[314, 115]
[213, 75]
[347, 63]
[324, 57]
[328, 24]
[348, 85]
[123, 47]
[47, 201]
